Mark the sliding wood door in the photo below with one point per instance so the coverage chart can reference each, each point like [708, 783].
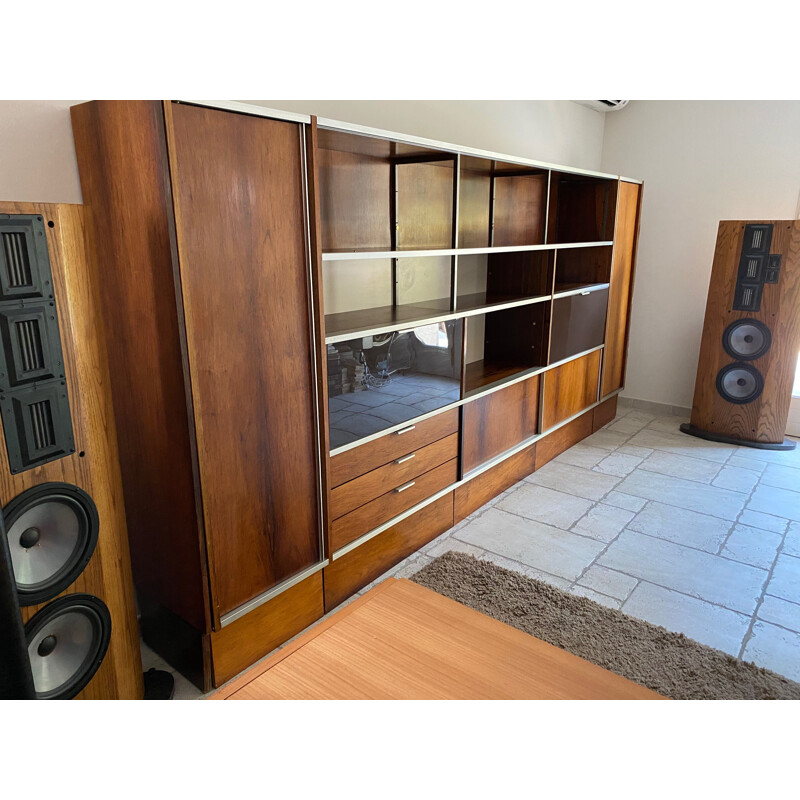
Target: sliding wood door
[239, 212]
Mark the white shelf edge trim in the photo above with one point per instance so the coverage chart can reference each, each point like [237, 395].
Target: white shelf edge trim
[252, 110]
[490, 389]
[377, 133]
[365, 255]
[342, 551]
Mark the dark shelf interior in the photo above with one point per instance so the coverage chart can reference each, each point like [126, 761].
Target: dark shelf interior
[582, 209]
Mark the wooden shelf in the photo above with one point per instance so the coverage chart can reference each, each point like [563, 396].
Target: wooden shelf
[566, 289]
[476, 302]
[479, 375]
[385, 318]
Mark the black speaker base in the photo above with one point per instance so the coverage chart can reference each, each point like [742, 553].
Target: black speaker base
[158, 684]
[786, 444]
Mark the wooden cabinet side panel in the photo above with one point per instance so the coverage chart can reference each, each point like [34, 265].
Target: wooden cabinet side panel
[621, 288]
[238, 188]
[125, 184]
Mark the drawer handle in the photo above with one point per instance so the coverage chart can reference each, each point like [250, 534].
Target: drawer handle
[405, 458]
[583, 294]
[405, 430]
[405, 486]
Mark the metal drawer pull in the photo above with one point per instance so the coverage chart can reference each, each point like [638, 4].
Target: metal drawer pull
[405, 486]
[583, 294]
[405, 430]
[405, 458]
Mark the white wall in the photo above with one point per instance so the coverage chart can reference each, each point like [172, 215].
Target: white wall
[702, 162]
[558, 131]
[37, 153]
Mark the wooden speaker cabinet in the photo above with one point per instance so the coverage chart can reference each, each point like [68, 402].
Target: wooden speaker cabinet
[200, 227]
[60, 481]
[751, 336]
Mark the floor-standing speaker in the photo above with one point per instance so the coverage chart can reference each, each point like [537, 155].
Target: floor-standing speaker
[60, 486]
[751, 336]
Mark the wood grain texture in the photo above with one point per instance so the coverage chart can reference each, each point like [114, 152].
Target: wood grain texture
[555, 443]
[499, 421]
[366, 457]
[238, 194]
[369, 516]
[125, 183]
[353, 494]
[424, 205]
[519, 210]
[94, 466]
[480, 490]
[236, 646]
[405, 642]
[763, 420]
[581, 266]
[354, 201]
[621, 288]
[570, 388]
[346, 575]
[604, 413]
[515, 275]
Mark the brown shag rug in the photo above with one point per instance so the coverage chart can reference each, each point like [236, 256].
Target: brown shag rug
[669, 663]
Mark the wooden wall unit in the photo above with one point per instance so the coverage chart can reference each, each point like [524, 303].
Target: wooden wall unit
[215, 229]
[93, 464]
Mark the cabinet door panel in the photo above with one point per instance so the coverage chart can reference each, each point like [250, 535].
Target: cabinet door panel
[620, 289]
[239, 210]
[569, 389]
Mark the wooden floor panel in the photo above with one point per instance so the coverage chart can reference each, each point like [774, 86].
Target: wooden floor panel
[402, 641]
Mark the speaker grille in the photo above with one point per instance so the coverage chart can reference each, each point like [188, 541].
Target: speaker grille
[739, 383]
[29, 340]
[52, 533]
[67, 641]
[18, 263]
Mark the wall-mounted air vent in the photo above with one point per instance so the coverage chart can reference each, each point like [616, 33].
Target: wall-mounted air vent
[33, 394]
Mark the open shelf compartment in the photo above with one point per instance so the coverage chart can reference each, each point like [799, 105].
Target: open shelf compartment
[378, 195]
[500, 204]
[582, 208]
[501, 345]
[582, 267]
[490, 279]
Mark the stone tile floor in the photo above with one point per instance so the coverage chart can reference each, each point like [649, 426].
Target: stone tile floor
[702, 538]
[699, 537]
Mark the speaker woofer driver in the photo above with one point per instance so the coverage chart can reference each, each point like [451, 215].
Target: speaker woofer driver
[739, 383]
[746, 339]
[52, 533]
[67, 642]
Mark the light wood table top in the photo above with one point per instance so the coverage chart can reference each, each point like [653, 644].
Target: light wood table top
[402, 641]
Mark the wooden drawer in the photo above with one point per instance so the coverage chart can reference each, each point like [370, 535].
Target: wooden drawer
[349, 527]
[569, 389]
[362, 490]
[366, 457]
[356, 569]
